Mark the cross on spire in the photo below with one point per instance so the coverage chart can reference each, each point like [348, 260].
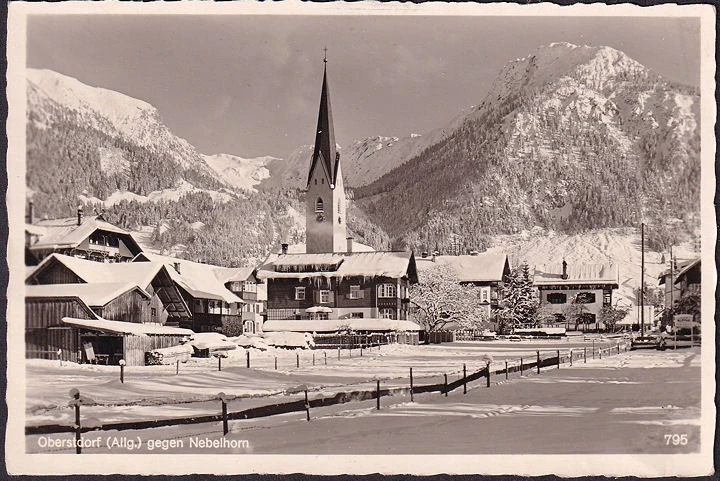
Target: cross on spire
[325, 58]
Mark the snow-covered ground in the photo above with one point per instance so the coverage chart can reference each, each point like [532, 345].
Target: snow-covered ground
[624, 403]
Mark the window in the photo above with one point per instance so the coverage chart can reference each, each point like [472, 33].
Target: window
[199, 306]
[556, 298]
[355, 292]
[324, 297]
[153, 312]
[299, 293]
[386, 290]
[387, 313]
[484, 294]
[356, 315]
[585, 298]
[319, 206]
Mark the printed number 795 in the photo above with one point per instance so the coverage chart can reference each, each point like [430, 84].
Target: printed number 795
[676, 439]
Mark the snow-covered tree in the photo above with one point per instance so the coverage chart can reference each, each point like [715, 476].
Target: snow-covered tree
[519, 301]
[440, 299]
[611, 315]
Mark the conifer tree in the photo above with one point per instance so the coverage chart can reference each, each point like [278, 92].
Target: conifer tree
[519, 301]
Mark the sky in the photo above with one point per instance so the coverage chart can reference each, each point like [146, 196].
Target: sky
[250, 85]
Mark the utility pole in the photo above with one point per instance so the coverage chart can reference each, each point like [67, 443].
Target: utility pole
[642, 280]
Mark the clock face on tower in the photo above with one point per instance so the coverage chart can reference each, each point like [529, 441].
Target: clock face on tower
[320, 217]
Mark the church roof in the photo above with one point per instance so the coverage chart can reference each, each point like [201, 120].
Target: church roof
[325, 152]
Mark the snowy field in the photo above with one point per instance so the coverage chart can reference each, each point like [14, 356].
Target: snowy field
[623, 403]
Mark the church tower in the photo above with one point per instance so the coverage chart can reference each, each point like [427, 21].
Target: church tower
[325, 202]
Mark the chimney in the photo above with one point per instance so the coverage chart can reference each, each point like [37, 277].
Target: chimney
[79, 215]
[176, 265]
[284, 247]
[31, 212]
[564, 274]
[349, 244]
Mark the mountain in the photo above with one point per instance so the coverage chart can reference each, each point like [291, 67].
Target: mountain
[570, 138]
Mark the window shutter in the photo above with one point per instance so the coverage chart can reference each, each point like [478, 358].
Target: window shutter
[316, 297]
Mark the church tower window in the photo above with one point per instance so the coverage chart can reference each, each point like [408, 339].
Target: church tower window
[319, 207]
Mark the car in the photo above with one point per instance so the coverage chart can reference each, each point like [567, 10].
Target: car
[645, 342]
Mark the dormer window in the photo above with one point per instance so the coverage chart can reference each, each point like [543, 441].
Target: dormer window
[319, 207]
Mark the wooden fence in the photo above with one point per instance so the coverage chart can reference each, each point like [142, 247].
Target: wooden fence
[298, 405]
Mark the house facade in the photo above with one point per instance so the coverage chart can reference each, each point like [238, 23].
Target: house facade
[338, 286]
[588, 287]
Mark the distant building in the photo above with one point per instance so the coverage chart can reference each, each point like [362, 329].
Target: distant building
[688, 279]
[486, 270]
[89, 238]
[589, 285]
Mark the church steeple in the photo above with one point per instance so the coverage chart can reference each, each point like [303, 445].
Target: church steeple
[325, 155]
[325, 199]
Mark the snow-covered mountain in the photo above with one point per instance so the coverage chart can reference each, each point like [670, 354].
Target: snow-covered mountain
[570, 138]
[239, 172]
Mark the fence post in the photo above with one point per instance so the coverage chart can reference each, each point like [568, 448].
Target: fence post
[297, 359]
[571, 357]
[223, 402]
[325, 354]
[247, 357]
[361, 349]
[445, 389]
[75, 394]
[593, 348]
[558, 358]
[307, 406]
[59, 353]
[506, 370]
[487, 373]
[538, 361]
[464, 380]
[377, 394]
[219, 363]
[122, 370]
[313, 358]
[521, 367]
[600, 352]
[412, 397]
[585, 354]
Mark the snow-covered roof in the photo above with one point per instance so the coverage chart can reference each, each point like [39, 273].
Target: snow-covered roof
[140, 274]
[356, 264]
[121, 327]
[332, 325]
[686, 269]
[91, 294]
[577, 274]
[485, 267]
[232, 274]
[202, 281]
[301, 248]
[35, 229]
[65, 233]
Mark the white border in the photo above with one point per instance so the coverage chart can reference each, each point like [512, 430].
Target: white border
[564, 465]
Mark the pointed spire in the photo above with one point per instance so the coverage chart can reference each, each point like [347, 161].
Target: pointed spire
[324, 153]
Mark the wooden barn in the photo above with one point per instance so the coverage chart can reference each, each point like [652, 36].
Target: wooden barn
[47, 307]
